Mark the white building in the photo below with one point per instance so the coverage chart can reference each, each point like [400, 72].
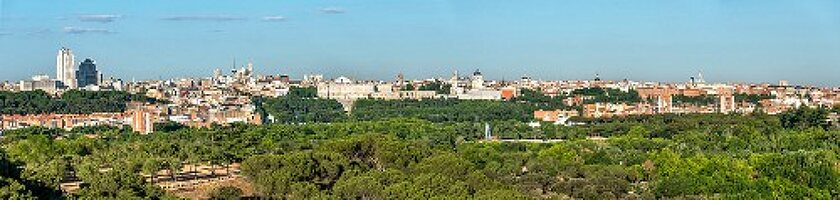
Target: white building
[481, 95]
[66, 68]
[343, 80]
[346, 91]
[39, 82]
[477, 80]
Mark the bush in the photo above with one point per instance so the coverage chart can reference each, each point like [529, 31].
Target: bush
[226, 193]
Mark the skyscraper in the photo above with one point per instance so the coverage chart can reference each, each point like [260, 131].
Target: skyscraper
[65, 67]
[87, 74]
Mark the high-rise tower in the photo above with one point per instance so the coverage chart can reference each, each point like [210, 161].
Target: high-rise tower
[65, 68]
[87, 74]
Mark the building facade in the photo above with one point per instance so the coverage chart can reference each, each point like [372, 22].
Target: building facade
[65, 68]
[40, 82]
[87, 74]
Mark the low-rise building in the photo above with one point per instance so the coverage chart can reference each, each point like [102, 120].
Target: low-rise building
[40, 82]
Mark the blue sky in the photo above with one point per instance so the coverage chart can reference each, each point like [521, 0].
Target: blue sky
[667, 40]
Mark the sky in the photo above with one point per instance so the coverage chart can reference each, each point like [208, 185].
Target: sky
[761, 41]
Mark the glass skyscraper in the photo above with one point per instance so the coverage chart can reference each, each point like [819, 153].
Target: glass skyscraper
[87, 74]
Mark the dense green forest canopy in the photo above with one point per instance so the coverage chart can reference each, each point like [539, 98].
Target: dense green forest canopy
[437, 86]
[806, 117]
[305, 109]
[294, 109]
[537, 97]
[436, 149]
[443, 110]
[303, 92]
[696, 156]
[608, 95]
[701, 100]
[752, 98]
[300, 105]
[70, 102]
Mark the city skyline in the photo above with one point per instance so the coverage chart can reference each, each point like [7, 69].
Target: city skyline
[66, 57]
[760, 42]
[419, 99]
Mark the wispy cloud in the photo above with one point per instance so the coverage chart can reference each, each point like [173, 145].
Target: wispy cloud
[274, 18]
[3, 33]
[218, 18]
[332, 10]
[39, 32]
[78, 30]
[99, 18]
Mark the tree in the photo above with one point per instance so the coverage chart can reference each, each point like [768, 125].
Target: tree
[118, 183]
[71, 102]
[151, 167]
[608, 95]
[501, 195]
[226, 193]
[638, 131]
[294, 109]
[358, 187]
[408, 87]
[168, 126]
[12, 189]
[804, 117]
[10, 181]
[702, 100]
[644, 157]
[437, 86]
[443, 110]
[303, 92]
[448, 165]
[752, 98]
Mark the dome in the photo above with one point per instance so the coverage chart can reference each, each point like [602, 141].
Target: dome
[477, 73]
